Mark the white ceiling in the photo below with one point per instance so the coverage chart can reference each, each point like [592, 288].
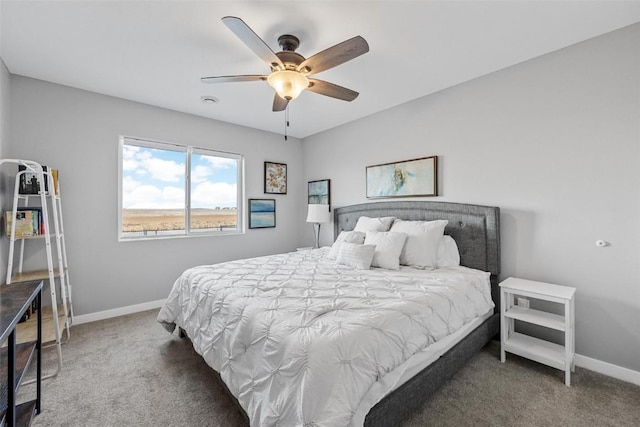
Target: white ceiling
[155, 52]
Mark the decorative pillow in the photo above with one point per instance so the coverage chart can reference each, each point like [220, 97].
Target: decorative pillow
[355, 255]
[365, 224]
[424, 237]
[345, 237]
[448, 254]
[388, 248]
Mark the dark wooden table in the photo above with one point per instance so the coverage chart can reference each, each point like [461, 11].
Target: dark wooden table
[15, 300]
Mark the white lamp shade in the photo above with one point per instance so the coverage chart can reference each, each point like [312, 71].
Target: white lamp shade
[318, 213]
[289, 84]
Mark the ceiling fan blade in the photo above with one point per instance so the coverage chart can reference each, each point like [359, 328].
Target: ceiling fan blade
[332, 90]
[279, 104]
[252, 40]
[232, 79]
[334, 56]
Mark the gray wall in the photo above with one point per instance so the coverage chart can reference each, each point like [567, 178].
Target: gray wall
[555, 143]
[4, 148]
[4, 100]
[77, 132]
[4, 109]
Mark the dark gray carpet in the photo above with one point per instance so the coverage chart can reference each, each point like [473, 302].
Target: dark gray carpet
[129, 371]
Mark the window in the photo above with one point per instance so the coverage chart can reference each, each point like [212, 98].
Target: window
[175, 190]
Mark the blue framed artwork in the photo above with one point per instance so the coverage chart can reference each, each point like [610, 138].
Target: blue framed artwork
[319, 192]
[409, 178]
[262, 213]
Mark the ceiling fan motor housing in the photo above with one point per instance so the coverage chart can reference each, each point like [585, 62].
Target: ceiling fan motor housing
[288, 42]
[291, 60]
[288, 56]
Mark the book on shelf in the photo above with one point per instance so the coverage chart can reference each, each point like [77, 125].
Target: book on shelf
[54, 177]
[30, 222]
[26, 225]
[30, 184]
[38, 223]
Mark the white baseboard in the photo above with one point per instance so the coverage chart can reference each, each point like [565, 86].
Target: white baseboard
[599, 366]
[108, 314]
[608, 369]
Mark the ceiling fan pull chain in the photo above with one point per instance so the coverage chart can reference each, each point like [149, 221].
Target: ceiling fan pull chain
[286, 121]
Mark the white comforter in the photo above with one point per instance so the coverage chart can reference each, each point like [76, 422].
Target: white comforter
[299, 339]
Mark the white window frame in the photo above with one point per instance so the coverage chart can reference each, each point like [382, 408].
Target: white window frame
[188, 150]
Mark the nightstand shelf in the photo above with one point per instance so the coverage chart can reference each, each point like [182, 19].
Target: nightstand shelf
[542, 318]
[538, 350]
[557, 356]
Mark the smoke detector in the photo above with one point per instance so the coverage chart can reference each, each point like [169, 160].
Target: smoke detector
[207, 99]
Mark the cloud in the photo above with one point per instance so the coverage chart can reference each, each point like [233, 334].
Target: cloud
[220, 162]
[206, 166]
[141, 161]
[164, 170]
[152, 197]
[129, 184]
[130, 161]
[214, 194]
[200, 173]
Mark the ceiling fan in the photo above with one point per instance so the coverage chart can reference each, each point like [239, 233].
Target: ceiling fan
[290, 71]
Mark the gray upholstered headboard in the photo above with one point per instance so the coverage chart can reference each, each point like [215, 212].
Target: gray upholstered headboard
[476, 229]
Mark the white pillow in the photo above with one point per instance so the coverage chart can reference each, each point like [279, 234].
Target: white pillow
[365, 224]
[355, 255]
[424, 237]
[448, 254]
[388, 248]
[345, 237]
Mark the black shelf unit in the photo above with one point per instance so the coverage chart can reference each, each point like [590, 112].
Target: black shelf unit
[15, 359]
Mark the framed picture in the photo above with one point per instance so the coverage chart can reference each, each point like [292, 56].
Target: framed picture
[409, 178]
[275, 178]
[29, 182]
[262, 213]
[319, 192]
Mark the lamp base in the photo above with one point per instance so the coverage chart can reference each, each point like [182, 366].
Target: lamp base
[316, 231]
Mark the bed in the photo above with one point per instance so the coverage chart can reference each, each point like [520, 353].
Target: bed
[327, 367]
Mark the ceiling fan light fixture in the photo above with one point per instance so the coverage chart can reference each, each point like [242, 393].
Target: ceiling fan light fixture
[289, 84]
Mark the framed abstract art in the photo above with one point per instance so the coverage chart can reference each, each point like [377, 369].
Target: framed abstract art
[262, 213]
[319, 192]
[408, 178]
[275, 178]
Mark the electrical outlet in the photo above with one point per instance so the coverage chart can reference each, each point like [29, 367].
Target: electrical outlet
[523, 302]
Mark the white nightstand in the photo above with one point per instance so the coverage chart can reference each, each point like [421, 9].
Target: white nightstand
[554, 355]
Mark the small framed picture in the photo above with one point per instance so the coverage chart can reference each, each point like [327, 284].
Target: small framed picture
[319, 192]
[262, 213]
[275, 178]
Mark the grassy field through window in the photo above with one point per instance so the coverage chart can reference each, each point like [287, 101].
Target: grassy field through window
[152, 222]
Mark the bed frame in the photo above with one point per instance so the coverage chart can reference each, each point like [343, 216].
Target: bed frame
[476, 230]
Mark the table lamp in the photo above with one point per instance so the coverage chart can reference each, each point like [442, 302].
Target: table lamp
[318, 214]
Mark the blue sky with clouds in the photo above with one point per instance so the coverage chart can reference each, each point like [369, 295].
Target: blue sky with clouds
[155, 179]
